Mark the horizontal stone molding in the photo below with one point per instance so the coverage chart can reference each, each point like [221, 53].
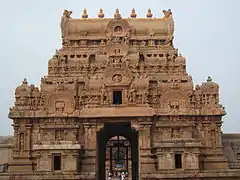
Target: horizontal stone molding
[117, 112]
[177, 144]
[56, 146]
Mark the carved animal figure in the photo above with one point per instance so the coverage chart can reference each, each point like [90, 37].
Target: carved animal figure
[167, 13]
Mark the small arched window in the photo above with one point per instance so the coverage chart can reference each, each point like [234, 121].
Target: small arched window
[118, 29]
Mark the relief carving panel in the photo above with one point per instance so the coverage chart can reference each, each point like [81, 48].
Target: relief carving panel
[60, 102]
[117, 77]
[174, 101]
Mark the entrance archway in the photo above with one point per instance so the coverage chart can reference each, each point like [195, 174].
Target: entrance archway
[114, 141]
[118, 156]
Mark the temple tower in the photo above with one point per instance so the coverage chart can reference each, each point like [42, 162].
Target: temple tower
[117, 98]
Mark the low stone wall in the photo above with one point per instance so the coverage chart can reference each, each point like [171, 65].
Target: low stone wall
[47, 175]
[6, 144]
[210, 175]
[231, 148]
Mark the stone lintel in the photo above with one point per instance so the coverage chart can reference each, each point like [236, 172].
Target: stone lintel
[117, 112]
[58, 142]
[177, 144]
[56, 146]
[55, 126]
[175, 124]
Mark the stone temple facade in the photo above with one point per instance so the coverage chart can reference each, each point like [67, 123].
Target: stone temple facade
[117, 98]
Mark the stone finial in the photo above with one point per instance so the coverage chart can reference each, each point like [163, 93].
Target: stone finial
[149, 13]
[24, 81]
[101, 14]
[133, 14]
[85, 15]
[197, 87]
[117, 15]
[56, 55]
[209, 79]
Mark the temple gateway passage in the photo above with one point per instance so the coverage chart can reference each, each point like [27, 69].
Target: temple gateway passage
[117, 101]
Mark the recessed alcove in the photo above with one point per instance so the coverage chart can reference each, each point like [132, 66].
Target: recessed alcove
[117, 97]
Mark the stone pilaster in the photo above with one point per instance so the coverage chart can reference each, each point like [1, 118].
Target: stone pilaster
[21, 155]
[28, 138]
[145, 135]
[89, 135]
[146, 157]
[190, 160]
[89, 157]
[164, 161]
[16, 138]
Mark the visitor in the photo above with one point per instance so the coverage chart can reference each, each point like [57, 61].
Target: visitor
[122, 176]
[119, 174]
[109, 176]
[126, 175]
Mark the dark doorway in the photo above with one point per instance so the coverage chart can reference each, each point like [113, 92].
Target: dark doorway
[117, 150]
[178, 161]
[56, 162]
[117, 97]
[118, 155]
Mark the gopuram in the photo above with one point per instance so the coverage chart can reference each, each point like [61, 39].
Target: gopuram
[118, 100]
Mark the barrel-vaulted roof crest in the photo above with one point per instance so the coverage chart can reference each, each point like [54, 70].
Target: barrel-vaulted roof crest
[77, 28]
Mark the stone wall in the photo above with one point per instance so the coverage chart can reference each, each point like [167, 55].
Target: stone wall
[5, 150]
[231, 145]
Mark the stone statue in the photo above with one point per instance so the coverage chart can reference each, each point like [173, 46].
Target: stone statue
[102, 43]
[151, 42]
[104, 95]
[66, 16]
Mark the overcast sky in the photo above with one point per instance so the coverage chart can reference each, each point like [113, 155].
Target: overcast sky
[207, 33]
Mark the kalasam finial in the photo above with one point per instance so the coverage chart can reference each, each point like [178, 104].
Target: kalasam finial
[85, 15]
[133, 14]
[149, 13]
